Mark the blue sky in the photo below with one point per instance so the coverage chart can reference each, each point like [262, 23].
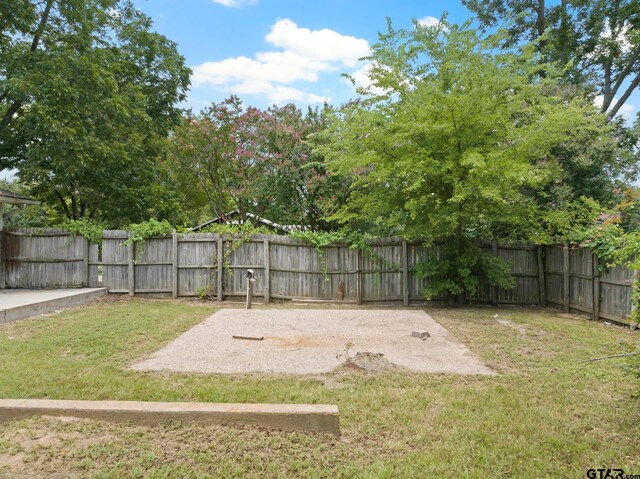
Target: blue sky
[277, 51]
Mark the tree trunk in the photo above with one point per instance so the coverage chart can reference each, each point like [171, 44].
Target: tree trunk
[541, 23]
[17, 104]
[461, 296]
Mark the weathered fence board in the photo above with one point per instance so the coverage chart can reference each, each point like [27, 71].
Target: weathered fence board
[197, 264]
[115, 264]
[44, 258]
[205, 263]
[615, 293]
[554, 279]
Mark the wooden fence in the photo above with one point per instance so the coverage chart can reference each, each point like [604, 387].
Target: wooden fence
[206, 263]
[46, 258]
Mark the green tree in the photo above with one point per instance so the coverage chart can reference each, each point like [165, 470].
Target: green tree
[596, 40]
[88, 94]
[255, 161]
[457, 145]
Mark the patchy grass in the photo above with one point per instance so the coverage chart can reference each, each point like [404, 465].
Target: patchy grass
[542, 416]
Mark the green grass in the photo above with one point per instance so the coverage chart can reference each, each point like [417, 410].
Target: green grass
[542, 416]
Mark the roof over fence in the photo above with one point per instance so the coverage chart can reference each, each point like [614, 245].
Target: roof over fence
[11, 198]
[226, 218]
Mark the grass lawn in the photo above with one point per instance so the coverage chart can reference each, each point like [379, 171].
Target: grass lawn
[541, 416]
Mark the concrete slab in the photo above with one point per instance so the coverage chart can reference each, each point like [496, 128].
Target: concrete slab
[23, 303]
[288, 417]
[313, 341]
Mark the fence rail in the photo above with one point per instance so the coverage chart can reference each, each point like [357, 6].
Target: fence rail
[285, 268]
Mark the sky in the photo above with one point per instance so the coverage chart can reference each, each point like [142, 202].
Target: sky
[280, 51]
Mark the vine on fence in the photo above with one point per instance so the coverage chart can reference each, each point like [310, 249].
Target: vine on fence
[139, 232]
[455, 272]
[614, 247]
[83, 227]
[235, 235]
[353, 239]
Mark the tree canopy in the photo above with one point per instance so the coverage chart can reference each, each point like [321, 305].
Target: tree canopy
[458, 141]
[88, 92]
[597, 41]
[255, 161]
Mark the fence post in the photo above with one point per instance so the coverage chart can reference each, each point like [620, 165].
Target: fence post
[174, 266]
[359, 275]
[131, 277]
[596, 288]
[542, 290]
[220, 265]
[493, 290]
[3, 247]
[267, 272]
[94, 265]
[405, 273]
[85, 261]
[565, 275]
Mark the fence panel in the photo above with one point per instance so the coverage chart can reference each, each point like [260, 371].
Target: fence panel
[382, 273]
[197, 264]
[115, 261]
[299, 270]
[615, 293]
[553, 274]
[581, 279]
[240, 257]
[44, 258]
[153, 270]
[94, 272]
[524, 268]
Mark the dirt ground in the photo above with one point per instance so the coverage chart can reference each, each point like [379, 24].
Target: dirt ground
[308, 341]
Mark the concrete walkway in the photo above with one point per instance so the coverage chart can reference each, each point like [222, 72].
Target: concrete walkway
[23, 303]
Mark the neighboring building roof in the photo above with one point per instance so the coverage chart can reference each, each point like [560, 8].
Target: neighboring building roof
[11, 198]
[226, 219]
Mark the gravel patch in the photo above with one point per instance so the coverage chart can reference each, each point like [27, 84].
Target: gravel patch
[311, 341]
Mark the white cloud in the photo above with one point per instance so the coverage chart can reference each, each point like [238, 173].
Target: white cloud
[273, 66]
[621, 39]
[277, 94]
[429, 21]
[627, 111]
[362, 79]
[235, 3]
[320, 45]
[305, 55]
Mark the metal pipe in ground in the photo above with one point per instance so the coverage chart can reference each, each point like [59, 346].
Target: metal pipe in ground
[250, 282]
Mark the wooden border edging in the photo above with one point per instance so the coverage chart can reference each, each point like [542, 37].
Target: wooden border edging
[288, 417]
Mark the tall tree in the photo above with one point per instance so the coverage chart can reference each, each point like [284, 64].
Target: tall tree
[88, 93]
[459, 144]
[597, 40]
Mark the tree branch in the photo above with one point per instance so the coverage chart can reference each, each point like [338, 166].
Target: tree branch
[43, 23]
[64, 204]
[16, 105]
[634, 83]
[621, 77]
[608, 357]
